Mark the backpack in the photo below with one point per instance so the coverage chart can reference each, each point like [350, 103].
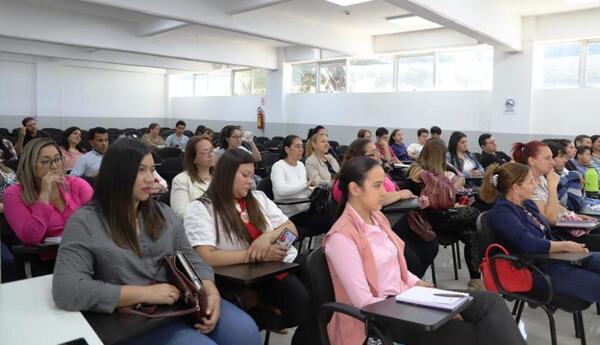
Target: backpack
[438, 189]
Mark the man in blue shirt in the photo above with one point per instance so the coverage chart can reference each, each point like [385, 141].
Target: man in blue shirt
[89, 164]
[178, 139]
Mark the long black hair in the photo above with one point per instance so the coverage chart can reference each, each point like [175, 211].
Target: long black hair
[452, 144]
[354, 170]
[65, 140]
[113, 195]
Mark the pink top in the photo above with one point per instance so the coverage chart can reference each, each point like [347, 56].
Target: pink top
[33, 223]
[70, 158]
[382, 152]
[388, 184]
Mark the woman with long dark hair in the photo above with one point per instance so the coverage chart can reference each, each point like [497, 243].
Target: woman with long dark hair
[70, 146]
[459, 156]
[112, 249]
[233, 224]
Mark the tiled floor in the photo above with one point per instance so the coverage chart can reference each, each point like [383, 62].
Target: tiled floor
[536, 321]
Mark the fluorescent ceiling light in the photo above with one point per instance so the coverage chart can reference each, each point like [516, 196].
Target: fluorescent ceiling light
[579, 2]
[347, 2]
[410, 21]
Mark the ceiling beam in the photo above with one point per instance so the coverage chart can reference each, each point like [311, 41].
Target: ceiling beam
[158, 26]
[486, 21]
[242, 6]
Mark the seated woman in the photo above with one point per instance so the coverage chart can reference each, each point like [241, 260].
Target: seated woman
[112, 249]
[320, 165]
[8, 269]
[70, 147]
[153, 139]
[366, 261]
[521, 228]
[538, 157]
[583, 159]
[460, 224]
[288, 176]
[419, 254]
[7, 150]
[320, 129]
[198, 167]
[397, 145]
[234, 225]
[459, 156]
[39, 205]
[232, 138]
[363, 134]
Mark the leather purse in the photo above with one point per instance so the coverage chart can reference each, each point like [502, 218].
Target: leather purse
[420, 226]
[185, 278]
[511, 278]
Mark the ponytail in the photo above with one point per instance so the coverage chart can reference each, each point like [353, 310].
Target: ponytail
[489, 192]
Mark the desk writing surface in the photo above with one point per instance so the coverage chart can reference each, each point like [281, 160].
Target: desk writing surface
[252, 272]
[424, 318]
[402, 205]
[28, 316]
[568, 258]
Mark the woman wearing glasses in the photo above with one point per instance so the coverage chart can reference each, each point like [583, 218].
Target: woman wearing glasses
[43, 198]
[198, 166]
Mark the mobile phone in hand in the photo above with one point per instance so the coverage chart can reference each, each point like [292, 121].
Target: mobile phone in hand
[286, 238]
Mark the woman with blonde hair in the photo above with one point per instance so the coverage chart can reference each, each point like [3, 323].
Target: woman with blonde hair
[320, 165]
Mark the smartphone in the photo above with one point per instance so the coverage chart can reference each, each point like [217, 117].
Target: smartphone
[286, 238]
[182, 263]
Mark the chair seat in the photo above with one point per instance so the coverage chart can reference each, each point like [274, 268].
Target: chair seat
[568, 304]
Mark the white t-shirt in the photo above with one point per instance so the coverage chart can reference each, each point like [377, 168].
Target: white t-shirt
[199, 224]
[289, 182]
[415, 149]
[468, 165]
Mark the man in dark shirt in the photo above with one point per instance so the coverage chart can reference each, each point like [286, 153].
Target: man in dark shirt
[27, 132]
[489, 155]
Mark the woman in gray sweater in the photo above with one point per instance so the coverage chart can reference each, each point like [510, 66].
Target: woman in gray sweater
[111, 253]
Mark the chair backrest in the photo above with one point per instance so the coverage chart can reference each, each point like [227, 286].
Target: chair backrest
[165, 198]
[266, 186]
[477, 156]
[261, 140]
[268, 159]
[334, 144]
[341, 150]
[485, 232]
[319, 279]
[278, 138]
[272, 143]
[169, 152]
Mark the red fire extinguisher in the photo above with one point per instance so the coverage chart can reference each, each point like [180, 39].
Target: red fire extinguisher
[260, 118]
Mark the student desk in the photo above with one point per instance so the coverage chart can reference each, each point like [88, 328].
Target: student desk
[250, 273]
[402, 206]
[28, 316]
[424, 318]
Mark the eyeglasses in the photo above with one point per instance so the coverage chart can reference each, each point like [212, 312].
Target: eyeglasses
[47, 163]
[236, 137]
[207, 153]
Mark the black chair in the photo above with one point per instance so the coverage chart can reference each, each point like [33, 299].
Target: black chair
[169, 168]
[477, 156]
[545, 299]
[165, 198]
[188, 133]
[341, 150]
[278, 138]
[164, 133]
[4, 132]
[272, 145]
[169, 152]
[266, 186]
[445, 241]
[323, 298]
[334, 144]
[260, 140]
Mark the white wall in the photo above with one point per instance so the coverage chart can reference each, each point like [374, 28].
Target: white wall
[17, 87]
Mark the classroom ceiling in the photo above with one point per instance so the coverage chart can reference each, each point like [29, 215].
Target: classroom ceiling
[541, 7]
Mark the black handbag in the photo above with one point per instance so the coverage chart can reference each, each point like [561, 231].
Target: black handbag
[319, 200]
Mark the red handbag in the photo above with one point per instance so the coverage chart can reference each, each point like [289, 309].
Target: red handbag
[511, 278]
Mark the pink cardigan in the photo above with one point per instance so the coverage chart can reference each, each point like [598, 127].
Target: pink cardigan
[33, 223]
[360, 267]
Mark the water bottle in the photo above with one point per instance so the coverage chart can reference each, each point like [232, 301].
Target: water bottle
[591, 180]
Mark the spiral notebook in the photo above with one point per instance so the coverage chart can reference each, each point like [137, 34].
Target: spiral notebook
[433, 298]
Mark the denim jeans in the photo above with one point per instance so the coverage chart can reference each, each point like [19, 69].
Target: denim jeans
[234, 327]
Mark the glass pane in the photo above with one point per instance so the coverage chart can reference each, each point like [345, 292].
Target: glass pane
[559, 66]
[592, 73]
[219, 83]
[242, 82]
[259, 82]
[181, 85]
[304, 78]
[201, 85]
[371, 75]
[333, 77]
[415, 73]
[465, 70]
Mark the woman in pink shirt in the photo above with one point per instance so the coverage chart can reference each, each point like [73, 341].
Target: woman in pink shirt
[70, 147]
[40, 203]
[366, 261]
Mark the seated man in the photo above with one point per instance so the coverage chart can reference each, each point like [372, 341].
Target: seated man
[435, 132]
[178, 139]
[27, 132]
[414, 149]
[489, 154]
[583, 140]
[89, 164]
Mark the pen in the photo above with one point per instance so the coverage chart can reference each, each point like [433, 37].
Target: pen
[449, 295]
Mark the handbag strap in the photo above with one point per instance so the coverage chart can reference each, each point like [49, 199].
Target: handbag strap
[149, 311]
[492, 246]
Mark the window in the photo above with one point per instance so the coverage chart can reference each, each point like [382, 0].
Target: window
[181, 85]
[259, 82]
[464, 70]
[592, 72]
[332, 76]
[304, 78]
[371, 75]
[219, 83]
[559, 65]
[201, 85]
[242, 82]
[415, 73]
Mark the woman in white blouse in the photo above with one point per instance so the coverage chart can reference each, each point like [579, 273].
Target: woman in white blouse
[232, 224]
[198, 166]
[288, 176]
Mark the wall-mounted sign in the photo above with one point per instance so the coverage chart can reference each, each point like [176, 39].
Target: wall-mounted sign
[509, 106]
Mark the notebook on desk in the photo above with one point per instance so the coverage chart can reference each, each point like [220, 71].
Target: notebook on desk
[578, 224]
[433, 298]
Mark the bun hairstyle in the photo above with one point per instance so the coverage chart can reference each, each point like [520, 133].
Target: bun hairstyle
[522, 151]
[499, 179]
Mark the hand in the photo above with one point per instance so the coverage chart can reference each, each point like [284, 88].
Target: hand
[47, 181]
[573, 247]
[258, 248]
[424, 284]
[459, 182]
[22, 131]
[157, 188]
[213, 311]
[474, 173]
[161, 294]
[589, 218]
[405, 194]
[312, 182]
[423, 201]
[553, 180]
[458, 317]
[276, 252]
[384, 143]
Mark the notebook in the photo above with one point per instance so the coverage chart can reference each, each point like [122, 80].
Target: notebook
[433, 298]
[578, 224]
[52, 240]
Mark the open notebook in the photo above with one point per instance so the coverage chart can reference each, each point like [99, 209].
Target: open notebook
[433, 298]
[578, 224]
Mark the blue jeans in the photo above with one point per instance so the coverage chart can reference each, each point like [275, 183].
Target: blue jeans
[234, 327]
